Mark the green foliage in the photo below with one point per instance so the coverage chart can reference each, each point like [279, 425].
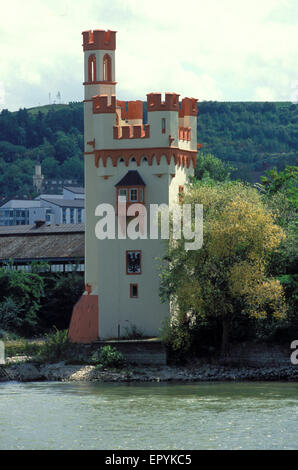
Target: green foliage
[53, 137]
[285, 181]
[11, 314]
[61, 294]
[227, 276]
[20, 295]
[177, 338]
[21, 347]
[108, 357]
[208, 166]
[56, 347]
[252, 136]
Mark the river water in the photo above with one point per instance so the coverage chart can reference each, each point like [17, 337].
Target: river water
[55, 415]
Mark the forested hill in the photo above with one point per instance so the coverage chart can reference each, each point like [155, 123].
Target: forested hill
[253, 136]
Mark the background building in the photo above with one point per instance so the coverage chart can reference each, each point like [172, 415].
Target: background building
[66, 208]
[49, 186]
[60, 246]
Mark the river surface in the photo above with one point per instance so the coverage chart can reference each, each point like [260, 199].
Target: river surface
[55, 415]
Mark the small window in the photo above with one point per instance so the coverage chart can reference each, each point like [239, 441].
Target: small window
[107, 68]
[134, 291]
[133, 195]
[163, 126]
[133, 262]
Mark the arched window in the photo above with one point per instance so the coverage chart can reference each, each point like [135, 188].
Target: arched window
[92, 68]
[107, 68]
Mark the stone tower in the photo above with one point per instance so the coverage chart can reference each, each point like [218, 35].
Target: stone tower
[146, 163]
[38, 178]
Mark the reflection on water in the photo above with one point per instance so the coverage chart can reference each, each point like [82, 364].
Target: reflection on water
[148, 416]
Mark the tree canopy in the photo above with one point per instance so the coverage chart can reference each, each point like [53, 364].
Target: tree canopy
[228, 276]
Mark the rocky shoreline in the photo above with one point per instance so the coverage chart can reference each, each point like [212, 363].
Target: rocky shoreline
[31, 372]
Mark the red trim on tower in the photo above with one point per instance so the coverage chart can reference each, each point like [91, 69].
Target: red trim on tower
[100, 104]
[181, 157]
[184, 133]
[100, 83]
[91, 143]
[154, 102]
[99, 39]
[189, 107]
[139, 131]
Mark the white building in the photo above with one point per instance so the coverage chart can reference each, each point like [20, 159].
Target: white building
[67, 208]
[149, 164]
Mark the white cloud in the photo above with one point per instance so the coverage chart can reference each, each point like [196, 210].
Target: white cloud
[220, 49]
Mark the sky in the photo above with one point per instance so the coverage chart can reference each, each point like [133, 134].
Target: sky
[225, 50]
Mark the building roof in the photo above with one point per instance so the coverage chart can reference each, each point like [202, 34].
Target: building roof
[132, 178]
[49, 196]
[47, 242]
[20, 204]
[80, 203]
[43, 229]
[75, 189]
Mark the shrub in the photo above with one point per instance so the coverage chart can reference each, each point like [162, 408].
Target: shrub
[20, 294]
[11, 314]
[62, 291]
[55, 348]
[108, 357]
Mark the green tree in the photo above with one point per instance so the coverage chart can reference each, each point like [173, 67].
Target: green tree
[61, 293]
[20, 295]
[208, 166]
[285, 181]
[228, 275]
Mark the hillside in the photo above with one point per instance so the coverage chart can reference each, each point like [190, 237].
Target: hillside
[253, 136]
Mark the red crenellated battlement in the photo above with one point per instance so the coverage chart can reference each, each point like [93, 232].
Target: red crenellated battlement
[100, 104]
[132, 132]
[99, 39]
[189, 107]
[154, 102]
[134, 110]
[184, 133]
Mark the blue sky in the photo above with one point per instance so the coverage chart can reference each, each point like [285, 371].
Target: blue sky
[227, 50]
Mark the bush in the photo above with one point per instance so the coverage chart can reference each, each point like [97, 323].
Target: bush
[11, 314]
[55, 348]
[108, 357]
[61, 294]
[20, 294]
